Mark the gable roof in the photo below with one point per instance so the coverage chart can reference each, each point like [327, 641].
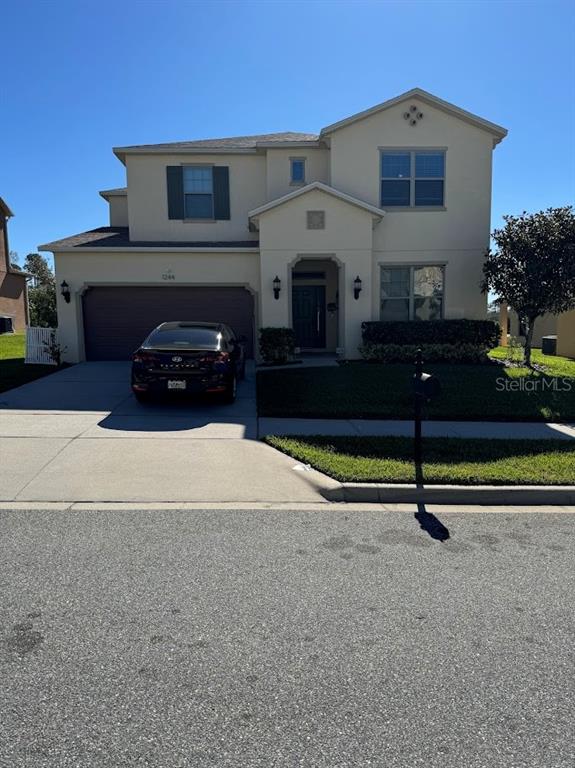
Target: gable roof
[320, 186]
[226, 144]
[497, 131]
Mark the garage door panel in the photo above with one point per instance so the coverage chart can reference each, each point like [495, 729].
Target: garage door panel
[117, 319]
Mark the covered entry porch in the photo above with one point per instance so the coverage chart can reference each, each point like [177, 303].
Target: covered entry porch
[315, 312]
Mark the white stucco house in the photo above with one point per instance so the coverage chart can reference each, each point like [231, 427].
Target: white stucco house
[382, 215]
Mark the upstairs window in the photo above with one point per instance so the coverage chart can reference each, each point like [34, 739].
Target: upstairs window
[198, 192]
[412, 293]
[297, 170]
[412, 178]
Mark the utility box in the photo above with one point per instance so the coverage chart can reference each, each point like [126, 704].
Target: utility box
[549, 345]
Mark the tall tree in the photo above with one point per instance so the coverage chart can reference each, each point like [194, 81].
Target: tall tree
[37, 266]
[533, 266]
[42, 293]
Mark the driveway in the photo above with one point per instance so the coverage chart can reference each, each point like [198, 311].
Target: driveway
[79, 435]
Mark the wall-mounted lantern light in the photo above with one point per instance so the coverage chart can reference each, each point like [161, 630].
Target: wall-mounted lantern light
[356, 287]
[277, 284]
[65, 291]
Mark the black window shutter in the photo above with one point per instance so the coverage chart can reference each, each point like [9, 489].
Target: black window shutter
[221, 179]
[175, 191]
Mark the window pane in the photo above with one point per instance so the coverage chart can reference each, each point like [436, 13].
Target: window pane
[297, 170]
[395, 165]
[428, 309]
[394, 309]
[428, 281]
[429, 193]
[197, 179]
[199, 207]
[198, 338]
[430, 165]
[395, 192]
[394, 282]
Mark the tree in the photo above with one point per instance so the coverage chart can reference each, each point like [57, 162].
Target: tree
[42, 304]
[533, 267]
[37, 266]
[42, 293]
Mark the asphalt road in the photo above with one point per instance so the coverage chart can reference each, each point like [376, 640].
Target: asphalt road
[271, 638]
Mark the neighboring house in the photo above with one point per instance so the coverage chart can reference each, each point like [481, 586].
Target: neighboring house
[385, 214]
[13, 293]
[562, 326]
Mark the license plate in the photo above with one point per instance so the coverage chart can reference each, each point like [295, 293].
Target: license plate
[176, 384]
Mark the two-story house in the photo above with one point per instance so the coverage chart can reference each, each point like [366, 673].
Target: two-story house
[385, 214]
[13, 287]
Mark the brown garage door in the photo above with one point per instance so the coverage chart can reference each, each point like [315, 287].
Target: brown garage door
[117, 319]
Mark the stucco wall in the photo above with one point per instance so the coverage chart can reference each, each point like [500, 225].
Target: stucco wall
[566, 334]
[148, 197]
[463, 272]
[118, 210]
[143, 268]
[546, 325]
[347, 239]
[355, 169]
[278, 169]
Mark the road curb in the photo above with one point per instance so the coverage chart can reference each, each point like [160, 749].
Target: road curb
[489, 495]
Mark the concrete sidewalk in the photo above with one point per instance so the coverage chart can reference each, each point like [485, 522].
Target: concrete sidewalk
[501, 430]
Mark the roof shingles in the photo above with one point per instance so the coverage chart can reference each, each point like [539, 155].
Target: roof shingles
[230, 142]
[118, 237]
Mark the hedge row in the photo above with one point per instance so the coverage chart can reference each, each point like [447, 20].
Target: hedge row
[432, 353]
[277, 345]
[480, 333]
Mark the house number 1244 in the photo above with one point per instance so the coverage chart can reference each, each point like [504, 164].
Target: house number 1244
[169, 275]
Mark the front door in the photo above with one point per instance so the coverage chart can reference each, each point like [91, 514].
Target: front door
[308, 312]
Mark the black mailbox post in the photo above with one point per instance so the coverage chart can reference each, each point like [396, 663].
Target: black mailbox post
[426, 387]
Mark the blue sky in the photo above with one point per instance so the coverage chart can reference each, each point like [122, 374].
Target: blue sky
[84, 76]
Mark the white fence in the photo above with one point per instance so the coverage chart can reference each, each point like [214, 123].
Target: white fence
[36, 339]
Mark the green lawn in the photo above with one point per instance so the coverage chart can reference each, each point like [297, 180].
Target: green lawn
[469, 392]
[446, 460]
[13, 371]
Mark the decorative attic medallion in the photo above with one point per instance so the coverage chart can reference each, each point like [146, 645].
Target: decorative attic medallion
[414, 115]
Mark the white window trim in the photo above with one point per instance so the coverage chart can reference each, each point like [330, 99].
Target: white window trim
[412, 151]
[411, 298]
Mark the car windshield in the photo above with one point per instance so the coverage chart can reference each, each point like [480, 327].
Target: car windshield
[194, 338]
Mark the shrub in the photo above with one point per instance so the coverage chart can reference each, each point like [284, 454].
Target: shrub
[432, 353]
[480, 333]
[277, 345]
